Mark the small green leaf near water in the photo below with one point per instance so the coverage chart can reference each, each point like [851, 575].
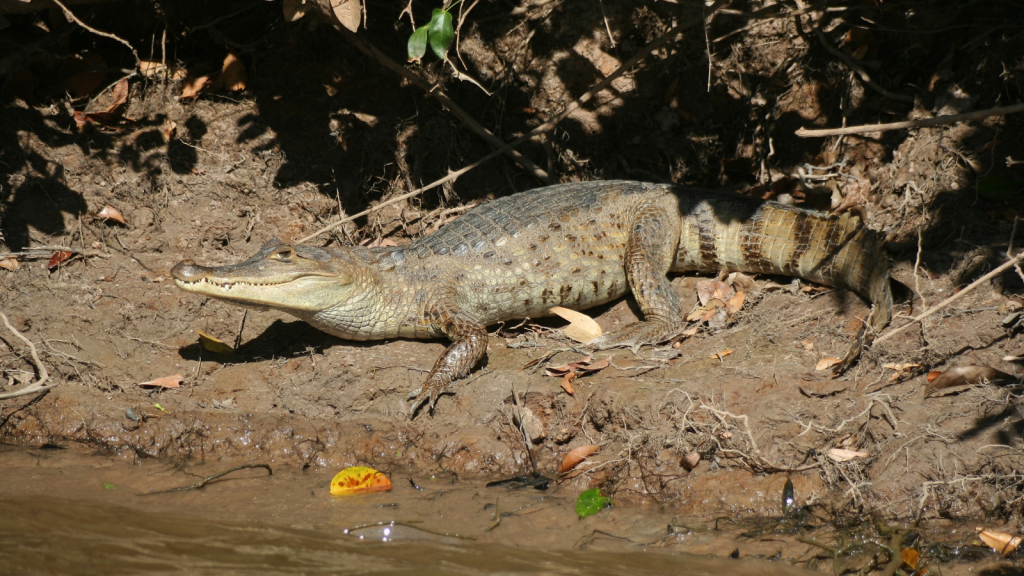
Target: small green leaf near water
[108, 486]
[418, 43]
[998, 188]
[441, 32]
[590, 502]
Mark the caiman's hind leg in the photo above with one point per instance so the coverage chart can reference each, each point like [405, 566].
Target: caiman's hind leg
[650, 252]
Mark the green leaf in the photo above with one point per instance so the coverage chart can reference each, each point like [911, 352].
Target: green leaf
[441, 32]
[418, 43]
[590, 502]
[998, 188]
[108, 486]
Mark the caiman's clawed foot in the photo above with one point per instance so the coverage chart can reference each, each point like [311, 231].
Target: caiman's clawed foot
[429, 397]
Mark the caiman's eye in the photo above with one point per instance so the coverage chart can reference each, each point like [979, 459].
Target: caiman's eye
[283, 254]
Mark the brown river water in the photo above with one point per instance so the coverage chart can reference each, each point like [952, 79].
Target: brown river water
[62, 512]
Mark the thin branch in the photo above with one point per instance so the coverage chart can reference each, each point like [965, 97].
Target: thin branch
[71, 16]
[38, 385]
[936, 121]
[47, 251]
[545, 127]
[970, 287]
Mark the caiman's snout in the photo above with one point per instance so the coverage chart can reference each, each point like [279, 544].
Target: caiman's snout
[187, 271]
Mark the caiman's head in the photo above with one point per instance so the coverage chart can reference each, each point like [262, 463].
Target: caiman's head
[281, 276]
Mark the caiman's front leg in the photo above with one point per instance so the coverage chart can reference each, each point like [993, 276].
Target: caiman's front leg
[650, 251]
[469, 344]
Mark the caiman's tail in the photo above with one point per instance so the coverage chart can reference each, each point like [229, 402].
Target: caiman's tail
[742, 234]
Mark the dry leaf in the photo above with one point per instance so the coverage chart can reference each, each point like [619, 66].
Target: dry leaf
[826, 363]
[293, 10]
[966, 375]
[844, 455]
[722, 354]
[111, 213]
[1001, 542]
[348, 12]
[581, 328]
[567, 384]
[690, 460]
[214, 345]
[10, 263]
[575, 456]
[233, 73]
[58, 258]
[815, 389]
[741, 282]
[191, 87]
[165, 382]
[910, 557]
[105, 119]
[933, 375]
[808, 345]
[359, 480]
[581, 367]
[169, 127]
[708, 290]
[119, 95]
[735, 304]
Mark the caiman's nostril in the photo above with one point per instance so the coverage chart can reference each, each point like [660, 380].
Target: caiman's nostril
[186, 270]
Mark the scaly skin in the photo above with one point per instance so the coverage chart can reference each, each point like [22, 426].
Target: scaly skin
[573, 245]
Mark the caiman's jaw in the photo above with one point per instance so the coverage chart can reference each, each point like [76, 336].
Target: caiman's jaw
[278, 276]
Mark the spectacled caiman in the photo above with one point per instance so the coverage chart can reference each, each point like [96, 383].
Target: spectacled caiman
[573, 245]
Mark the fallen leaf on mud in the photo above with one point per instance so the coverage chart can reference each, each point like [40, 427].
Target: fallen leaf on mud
[567, 384]
[359, 480]
[1001, 542]
[901, 370]
[165, 382]
[826, 363]
[111, 213]
[581, 328]
[708, 290]
[110, 120]
[690, 460]
[844, 455]
[119, 95]
[910, 557]
[808, 345]
[575, 456]
[741, 282]
[214, 345]
[233, 73]
[933, 375]
[160, 408]
[965, 376]
[692, 331]
[58, 258]
[9, 263]
[815, 389]
[590, 502]
[169, 127]
[735, 304]
[191, 87]
[580, 367]
[722, 354]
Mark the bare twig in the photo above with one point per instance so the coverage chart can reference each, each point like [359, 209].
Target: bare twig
[569, 109]
[71, 16]
[202, 483]
[38, 385]
[47, 251]
[951, 299]
[936, 121]
[864, 76]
